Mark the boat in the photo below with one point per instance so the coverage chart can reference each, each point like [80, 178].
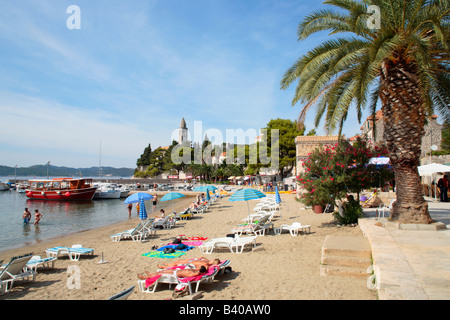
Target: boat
[22, 187]
[106, 191]
[67, 189]
[4, 186]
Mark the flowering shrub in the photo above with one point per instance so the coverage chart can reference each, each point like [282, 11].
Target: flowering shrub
[333, 172]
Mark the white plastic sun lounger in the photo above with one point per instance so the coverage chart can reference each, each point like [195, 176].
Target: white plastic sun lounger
[295, 227]
[74, 252]
[37, 261]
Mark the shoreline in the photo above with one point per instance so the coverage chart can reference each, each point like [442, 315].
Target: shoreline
[134, 217]
[295, 260]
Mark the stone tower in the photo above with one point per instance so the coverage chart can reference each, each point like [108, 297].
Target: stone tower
[182, 132]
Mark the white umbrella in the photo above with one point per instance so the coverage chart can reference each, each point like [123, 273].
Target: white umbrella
[431, 169]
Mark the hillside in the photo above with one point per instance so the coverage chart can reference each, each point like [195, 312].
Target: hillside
[54, 171]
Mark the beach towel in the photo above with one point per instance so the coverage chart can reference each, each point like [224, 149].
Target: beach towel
[197, 238]
[152, 280]
[160, 254]
[189, 243]
[176, 247]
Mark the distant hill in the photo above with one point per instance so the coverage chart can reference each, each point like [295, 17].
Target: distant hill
[54, 171]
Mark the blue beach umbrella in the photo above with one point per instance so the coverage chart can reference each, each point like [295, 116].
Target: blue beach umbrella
[246, 195]
[142, 210]
[277, 196]
[136, 197]
[172, 196]
[207, 195]
[205, 188]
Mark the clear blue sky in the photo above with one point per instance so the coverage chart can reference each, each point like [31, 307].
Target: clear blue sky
[135, 68]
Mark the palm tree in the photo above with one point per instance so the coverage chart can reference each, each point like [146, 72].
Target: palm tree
[404, 62]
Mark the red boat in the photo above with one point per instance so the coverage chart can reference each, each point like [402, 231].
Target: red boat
[61, 189]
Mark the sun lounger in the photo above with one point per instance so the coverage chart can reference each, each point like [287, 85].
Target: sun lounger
[166, 223]
[235, 245]
[258, 228]
[37, 261]
[14, 271]
[74, 252]
[123, 295]
[141, 231]
[150, 285]
[295, 227]
[206, 278]
[184, 215]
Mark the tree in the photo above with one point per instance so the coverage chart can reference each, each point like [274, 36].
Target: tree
[403, 61]
[333, 173]
[287, 131]
[144, 159]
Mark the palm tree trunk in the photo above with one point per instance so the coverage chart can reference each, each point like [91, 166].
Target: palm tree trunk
[404, 120]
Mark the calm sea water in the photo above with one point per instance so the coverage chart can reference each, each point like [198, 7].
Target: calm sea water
[59, 217]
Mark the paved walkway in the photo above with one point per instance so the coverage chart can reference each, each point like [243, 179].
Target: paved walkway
[411, 264]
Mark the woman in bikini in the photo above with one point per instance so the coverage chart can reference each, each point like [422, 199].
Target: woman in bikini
[196, 262]
[179, 273]
[37, 216]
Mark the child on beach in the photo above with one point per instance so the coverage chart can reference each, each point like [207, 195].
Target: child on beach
[26, 216]
[37, 216]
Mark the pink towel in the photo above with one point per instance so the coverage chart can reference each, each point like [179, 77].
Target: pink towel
[150, 281]
[189, 243]
[210, 271]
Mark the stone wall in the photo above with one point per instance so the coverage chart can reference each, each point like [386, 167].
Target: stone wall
[307, 144]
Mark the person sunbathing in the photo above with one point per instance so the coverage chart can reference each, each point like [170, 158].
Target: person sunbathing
[197, 262]
[179, 273]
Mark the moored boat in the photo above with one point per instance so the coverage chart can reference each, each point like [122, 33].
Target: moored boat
[67, 189]
[106, 191]
[3, 186]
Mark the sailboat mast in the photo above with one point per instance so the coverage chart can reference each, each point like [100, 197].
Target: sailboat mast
[100, 161]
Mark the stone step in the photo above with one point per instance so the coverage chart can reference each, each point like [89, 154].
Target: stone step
[346, 261]
[357, 247]
[326, 270]
[346, 256]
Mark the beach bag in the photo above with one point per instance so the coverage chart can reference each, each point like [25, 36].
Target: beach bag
[177, 241]
[181, 246]
[181, 290]
[168, 250]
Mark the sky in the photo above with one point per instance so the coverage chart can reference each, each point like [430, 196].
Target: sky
[98, 85]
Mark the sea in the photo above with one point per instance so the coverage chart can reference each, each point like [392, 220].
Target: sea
[59, 217]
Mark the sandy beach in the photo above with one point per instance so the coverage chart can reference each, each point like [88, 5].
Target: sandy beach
[281, 267]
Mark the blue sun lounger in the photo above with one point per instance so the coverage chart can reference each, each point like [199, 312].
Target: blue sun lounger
[73, 252]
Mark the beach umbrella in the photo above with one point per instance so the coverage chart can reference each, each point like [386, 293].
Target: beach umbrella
[430, 170]
[172, 196]
[207, 195]
[205, 188]
[136, 197]
[277, 196]
[142, 210]
[246, 195]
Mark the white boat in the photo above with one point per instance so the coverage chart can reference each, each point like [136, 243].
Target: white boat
[3, 186]
[106, 191]
[21, 187]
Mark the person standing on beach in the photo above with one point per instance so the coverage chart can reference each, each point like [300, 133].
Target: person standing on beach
[129, 207]
[26, 216]
[37, 217]
[155, 201]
